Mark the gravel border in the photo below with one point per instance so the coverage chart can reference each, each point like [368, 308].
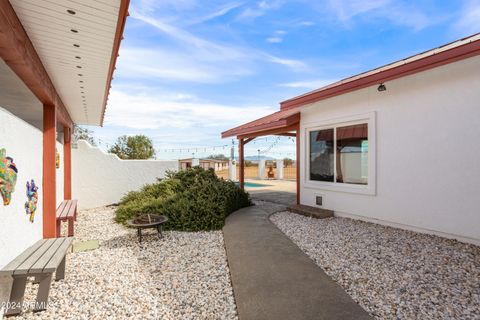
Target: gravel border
[183, 276]
[392, 273]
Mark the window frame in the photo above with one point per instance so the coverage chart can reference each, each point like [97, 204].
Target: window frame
[370, 187]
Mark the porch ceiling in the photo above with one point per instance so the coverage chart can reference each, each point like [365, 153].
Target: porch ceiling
[77, 42]
[16, 98]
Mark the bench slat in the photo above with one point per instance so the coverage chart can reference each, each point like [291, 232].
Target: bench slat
[38, 266]
[66, 209]
[73, 209]
[27, 264]
[15, 263]
[58, 257]
[60, 208]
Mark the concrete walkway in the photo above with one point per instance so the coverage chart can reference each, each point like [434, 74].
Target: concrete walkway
[273, 279]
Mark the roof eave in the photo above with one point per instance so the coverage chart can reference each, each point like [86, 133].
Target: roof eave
[282, 125]
[122, 18]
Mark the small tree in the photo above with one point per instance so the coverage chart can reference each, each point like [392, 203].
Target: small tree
[133, 147]
[218, 157]
[287, 162]
[80, 133]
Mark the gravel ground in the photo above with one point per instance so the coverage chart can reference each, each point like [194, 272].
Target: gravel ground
[183, 276]
[392, 273]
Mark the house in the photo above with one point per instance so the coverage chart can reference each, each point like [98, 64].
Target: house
[56, 66]
[397, 145]
[214, 164]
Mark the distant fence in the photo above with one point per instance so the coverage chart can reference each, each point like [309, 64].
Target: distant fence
[251, 172]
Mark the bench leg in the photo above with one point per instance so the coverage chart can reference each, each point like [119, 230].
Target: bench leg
[60, 273]
[70, 227]
[59, 228]
[16, 296]
[43, 292]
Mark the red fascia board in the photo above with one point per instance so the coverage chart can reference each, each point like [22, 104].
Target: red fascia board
[445, 57]
[278, 124]
[122, 19]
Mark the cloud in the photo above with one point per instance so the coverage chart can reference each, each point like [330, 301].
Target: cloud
[469, 19]
[347, 9]
[296, 65]
[259, 9]
[183, 65]
[306, 23]
[217, 13]
[277, 36]
[394, 11]
[310, 85]
[274, 39]
[193, 58]
[149, 111]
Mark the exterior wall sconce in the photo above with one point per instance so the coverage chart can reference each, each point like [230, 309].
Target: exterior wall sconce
[381, 87]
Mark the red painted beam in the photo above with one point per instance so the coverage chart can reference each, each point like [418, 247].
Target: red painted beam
[67, 163]
[241, 159]
[17, 51]
[298, 162]
[49, 189]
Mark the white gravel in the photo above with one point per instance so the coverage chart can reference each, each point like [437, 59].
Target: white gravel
[183, 276]
[392, 273]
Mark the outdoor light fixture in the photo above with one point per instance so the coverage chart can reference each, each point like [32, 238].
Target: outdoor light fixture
[381, 87]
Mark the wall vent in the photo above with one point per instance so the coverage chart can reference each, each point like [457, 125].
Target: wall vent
[319, 200]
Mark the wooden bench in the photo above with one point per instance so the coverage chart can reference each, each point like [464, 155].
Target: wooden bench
[40, 260]
[67, 211]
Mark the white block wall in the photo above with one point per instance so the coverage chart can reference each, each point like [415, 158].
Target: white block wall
[427, 152]
[23, 143]
[100, 179]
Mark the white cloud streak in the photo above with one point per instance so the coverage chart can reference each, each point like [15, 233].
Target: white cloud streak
[147, 111]
[310, 85]
[469, 19]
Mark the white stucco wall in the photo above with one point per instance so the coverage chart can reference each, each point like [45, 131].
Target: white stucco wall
[100, 179]
[60, 176]
[23, 143]
[427, 151]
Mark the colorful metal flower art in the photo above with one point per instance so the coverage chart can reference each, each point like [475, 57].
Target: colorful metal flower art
[8, 177]
[32, 195]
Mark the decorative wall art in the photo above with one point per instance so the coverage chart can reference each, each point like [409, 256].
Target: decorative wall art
[8, 177]
[32, 195]
[57, 158]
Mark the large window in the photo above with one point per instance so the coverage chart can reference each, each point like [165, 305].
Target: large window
[340, 154]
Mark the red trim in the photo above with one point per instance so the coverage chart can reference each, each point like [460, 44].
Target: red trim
[298, 162]
[435, 60]
[241, 160]
[20, 55]
[67, 167]
[122, 18]
[251, 129]
[49, 171]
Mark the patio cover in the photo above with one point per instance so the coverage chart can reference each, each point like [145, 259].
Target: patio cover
[275, 123]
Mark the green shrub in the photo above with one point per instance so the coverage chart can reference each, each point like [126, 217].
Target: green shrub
[193, 200]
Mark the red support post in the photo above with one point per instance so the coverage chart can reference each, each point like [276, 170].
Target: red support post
[241, 160]
[49, 171]
[67, 161]
[298, 162]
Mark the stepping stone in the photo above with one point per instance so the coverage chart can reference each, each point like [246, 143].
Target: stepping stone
[85, 245]
[309, 211]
